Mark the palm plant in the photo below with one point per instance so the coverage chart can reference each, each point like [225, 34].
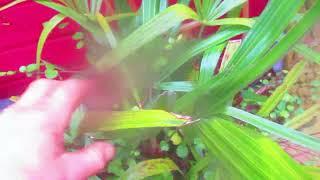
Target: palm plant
[150, 40]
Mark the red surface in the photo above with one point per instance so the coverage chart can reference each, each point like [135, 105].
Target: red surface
[20, 28]
[256, 7]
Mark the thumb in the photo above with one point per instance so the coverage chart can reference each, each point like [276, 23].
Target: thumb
[88, 161]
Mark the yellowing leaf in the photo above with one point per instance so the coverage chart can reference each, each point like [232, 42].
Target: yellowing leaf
[149, 168]
[245, 153]
[131, 119]
[176, 139]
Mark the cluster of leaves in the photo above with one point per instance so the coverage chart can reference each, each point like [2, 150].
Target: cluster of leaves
[257, 94]
[50, 71]
[288, 106]
[141, 43]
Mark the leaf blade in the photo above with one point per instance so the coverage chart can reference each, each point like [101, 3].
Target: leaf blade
[132, 120]
[281, 90]
[274, 128]
[149, 168]
[307, 52]
[244, 153]
[48, 27]
[209, 62]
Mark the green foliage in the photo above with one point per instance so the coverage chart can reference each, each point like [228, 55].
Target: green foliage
[210, 10]
[182, 151]
[48, 27]
[307, 52]
[279, 93]
[149, 9]
[78, 36]
[209, 62]
[115, 167]
[177, 86]
[254, 55]
[211, 143]
[51, 71]
[152, 29]
[304, 117]
[76, 119]
[250, 96]
[200, 47]
[164, 146]
[198, 167]
[70, 12]
[288, 106]
[175, 138]
[140, 119]
[94, 178]
[274, 128]
[107, 30]
[246, 153]
[149, 168]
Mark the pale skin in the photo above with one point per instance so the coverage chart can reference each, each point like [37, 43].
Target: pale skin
[31, 133]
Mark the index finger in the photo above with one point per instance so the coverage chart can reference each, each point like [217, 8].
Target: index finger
[52, 102]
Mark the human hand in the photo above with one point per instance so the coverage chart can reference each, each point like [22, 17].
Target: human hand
[31, 133]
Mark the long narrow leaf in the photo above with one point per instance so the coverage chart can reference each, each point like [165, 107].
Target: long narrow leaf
[281, 90]
[79, 18]
[93, 5]
[98, 6]
[209, 62]
[200, 47]
[307, 52]
[152, 29]
[246, 154]
[177, 86]
[224, 7]
[231, 21]
[47, 29]
[175, 29]
[107, 30]
[148, 10]
[267, 29]
[13, 3]
[131, 120]
[274, 128]
[303, 118]
[163, 5]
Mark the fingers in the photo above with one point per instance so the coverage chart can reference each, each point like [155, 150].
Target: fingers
[65, 99]
[56, 99]
[87, 162]
[36, 92]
